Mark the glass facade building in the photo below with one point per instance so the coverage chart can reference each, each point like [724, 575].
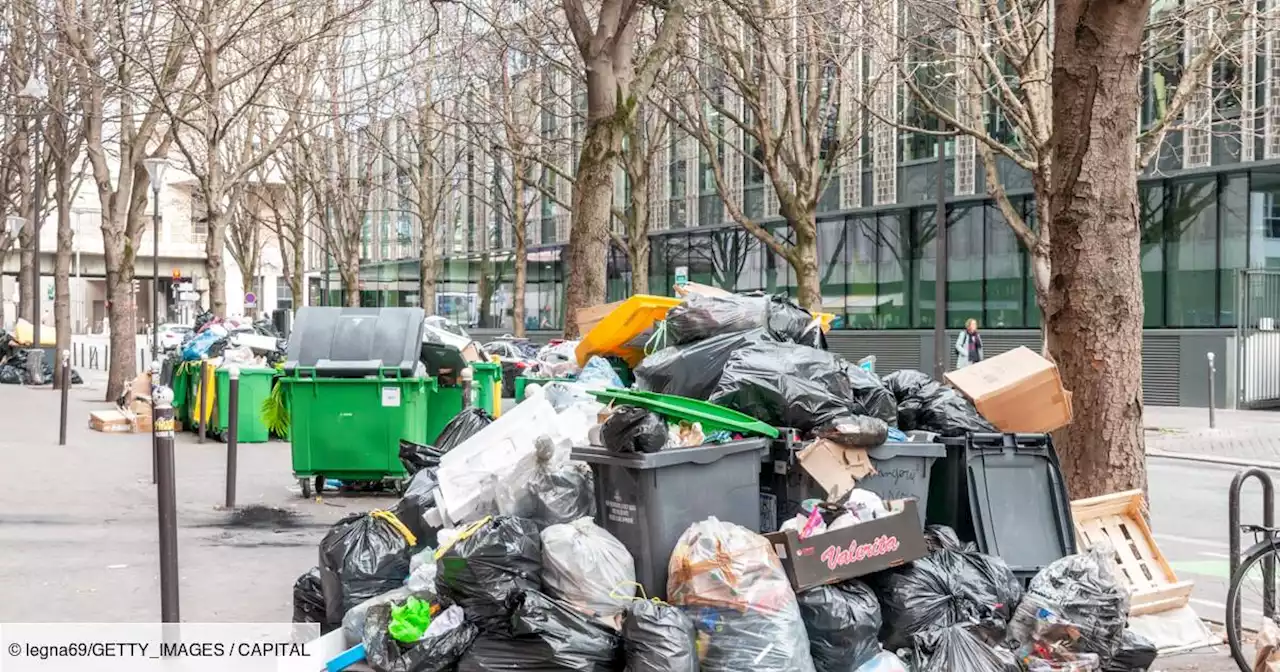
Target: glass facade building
[878, 266]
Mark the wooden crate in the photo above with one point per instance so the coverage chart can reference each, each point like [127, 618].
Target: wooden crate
[1118, 520]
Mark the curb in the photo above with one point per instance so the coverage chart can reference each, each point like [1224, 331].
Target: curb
[1210, 459]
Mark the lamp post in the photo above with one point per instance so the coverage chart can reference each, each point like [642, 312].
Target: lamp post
[35, 91]
[155, 171]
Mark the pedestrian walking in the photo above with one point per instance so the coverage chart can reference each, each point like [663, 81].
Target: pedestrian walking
[969, 345]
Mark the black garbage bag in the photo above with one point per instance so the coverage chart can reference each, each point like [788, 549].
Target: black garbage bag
[658, 637]
[415, 456]
[438, 653]
[546, 636]
[563, 494]
[843, 622]
[308, 600]
[462, 427]
[202, 320]
[945, 588]
[419, 497]
[630, 429]
[699, 317]
[854, 431]
[12, 375]
[1135, 654]
[483, 572]
[943, 538]
[693, 370]
[870, 395]
[958, 647]
[785, 385]
[1080, 590]
[927, 405]
[362, 556]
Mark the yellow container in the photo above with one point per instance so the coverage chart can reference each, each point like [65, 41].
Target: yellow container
[202, 400]
[617, 332]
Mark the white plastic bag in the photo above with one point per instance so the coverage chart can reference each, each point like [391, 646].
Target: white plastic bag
[353, 621]
[884, 662]
[589, 569]
[729, 580]
[422, 571]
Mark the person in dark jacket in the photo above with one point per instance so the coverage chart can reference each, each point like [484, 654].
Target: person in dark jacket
[969, 345]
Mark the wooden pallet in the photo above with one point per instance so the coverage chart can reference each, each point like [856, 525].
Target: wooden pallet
[1118, 520]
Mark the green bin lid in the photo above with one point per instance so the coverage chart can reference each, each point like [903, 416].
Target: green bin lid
[711, 416]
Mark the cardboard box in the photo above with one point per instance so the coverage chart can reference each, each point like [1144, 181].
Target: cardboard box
[142, 424]
[851, 552]
[834, 467]
[1018, 391]
[110, 422]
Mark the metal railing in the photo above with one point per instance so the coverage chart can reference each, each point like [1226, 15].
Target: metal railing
[1258, 338]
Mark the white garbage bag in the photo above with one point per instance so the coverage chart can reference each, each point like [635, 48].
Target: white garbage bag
[589, 569]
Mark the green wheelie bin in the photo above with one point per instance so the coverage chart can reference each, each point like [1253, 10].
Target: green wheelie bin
[355, 390]
[255, 387]
[350, 429]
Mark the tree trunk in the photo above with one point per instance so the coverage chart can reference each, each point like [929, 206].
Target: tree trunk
[214, 265]
[592, 211]
[25, 304]
[428, 246]
[805, 263]
[121, 315]
[485, 289]
[520, 220]
[350, 271]
[1095, 322]
[638, 257]
[62, 270]
[296, 282]
[1041, 270]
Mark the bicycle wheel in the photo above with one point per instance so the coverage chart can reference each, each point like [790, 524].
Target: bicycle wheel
[1245, 601]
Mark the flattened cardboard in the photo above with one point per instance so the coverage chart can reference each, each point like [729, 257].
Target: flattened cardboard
[848, 553]
[1018, 391]
[836, 468]
[110, 422]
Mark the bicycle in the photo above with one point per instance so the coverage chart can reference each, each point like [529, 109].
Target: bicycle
[1259, 562]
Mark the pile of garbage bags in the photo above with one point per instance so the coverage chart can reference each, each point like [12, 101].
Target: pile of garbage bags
[765, 356]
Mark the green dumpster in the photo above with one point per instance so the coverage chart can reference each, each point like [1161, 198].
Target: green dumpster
[182, 395]
[524, 381]
[255, 387]
[446, 400]
[350, 428]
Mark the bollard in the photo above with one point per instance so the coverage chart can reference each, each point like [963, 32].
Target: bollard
[233, 430]
[66, 384]
[162, 432]
[1213, 375]
[155, 446]
[201, 398]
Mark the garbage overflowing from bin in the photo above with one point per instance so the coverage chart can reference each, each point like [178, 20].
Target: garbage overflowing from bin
[594, 528]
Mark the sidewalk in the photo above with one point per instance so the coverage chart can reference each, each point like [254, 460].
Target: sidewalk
[78, 528]
[1246, 436]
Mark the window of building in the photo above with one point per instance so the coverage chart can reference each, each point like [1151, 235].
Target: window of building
[924, 255]
[284, 293]
[1264, 218]
[1151, 219]
[860, 256]
[893, 261]
[1162, 66]
[833, 266]
[965, 253]
[1004, 272]
[1191, 253]
[1233, 251]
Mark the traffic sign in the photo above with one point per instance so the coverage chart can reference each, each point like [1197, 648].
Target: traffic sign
[682, 275]
[250, 299]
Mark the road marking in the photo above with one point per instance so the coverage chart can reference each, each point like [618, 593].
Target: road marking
[1192, 541]
[1218, 569]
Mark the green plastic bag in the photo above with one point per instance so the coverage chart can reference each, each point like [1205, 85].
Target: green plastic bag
[410, 621]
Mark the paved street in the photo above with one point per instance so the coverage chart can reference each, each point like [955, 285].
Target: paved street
[78, 527]
[1239, 435]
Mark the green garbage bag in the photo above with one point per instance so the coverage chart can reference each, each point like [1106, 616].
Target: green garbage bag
[410, 620]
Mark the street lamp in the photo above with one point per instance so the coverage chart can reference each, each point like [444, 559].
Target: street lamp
[35, 91]
[156, 167]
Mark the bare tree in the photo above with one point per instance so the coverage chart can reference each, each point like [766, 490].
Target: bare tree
[993, 75]
[617, 79]
[770, 91]
[127, 66]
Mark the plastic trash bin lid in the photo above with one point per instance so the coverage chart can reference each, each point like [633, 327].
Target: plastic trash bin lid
[711, 416]
[355, 342]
